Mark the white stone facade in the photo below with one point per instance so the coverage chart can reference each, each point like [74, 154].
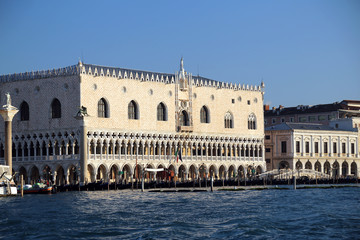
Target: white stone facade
[218, 126]
[313, 146]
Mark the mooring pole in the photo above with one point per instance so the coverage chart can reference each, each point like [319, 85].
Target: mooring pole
[294, 180]
[212, 184]
[132, 184]
[142, 183]
[22, 185]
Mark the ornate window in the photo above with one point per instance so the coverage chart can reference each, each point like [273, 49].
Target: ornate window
[56, 108]
[204, 115]
[103, 108]
[161, 112]
[24, 111]
[252, 121]
[229, 122]
[133, 110]
[184, 118]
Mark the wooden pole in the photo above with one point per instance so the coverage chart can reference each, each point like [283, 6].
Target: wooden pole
[22, 185]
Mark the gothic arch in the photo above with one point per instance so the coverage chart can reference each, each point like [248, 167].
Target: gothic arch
[204, 114]
[162, 114]
[24, 111]
[103, 108]
[133, 110]
[55, 108]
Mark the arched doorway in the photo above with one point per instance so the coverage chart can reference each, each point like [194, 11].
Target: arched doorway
[241, 172]
[22, 171]
[318, 166]
[34, 175]
[47, 174]
[202, 171]
[284, 165]
[345, 169]
[327, 167]
[231, 172]
[353, 169]
[149, 176]
[212, 171]
[336, 169]
[90, 174]
[250, 171]
[172, 176]
[161, 176]
[298, 165]
[222, 172]
[258, 170]
[114, 173]
[126, 176]
[182, 173]
[308, 165]
[60, 176]
[101, 173]
[192, 173]
[74, 174]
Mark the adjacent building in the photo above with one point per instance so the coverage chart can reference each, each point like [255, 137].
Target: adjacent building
[95, 122]
[321, 113]
[330, 149]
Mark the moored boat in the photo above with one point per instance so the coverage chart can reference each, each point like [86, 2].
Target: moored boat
[36, 188]
[7, 185]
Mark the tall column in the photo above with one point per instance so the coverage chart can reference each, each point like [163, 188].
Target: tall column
[8, 112]
[83, 152]
[82, 116]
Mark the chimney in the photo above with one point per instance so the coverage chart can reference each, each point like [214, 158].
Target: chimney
[266, 107]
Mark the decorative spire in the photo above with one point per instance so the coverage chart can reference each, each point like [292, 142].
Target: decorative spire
[182, 65]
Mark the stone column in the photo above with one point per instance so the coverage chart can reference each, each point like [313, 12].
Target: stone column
[8, 112]
[82, 116]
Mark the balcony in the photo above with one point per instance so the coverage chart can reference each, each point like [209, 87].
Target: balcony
[185, 128]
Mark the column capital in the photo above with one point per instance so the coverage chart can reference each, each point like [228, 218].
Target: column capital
[8, 112]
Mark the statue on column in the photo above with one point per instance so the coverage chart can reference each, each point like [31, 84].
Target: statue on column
[8, 99]
[8, 106]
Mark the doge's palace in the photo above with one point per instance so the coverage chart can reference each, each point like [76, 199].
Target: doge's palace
[88, 123]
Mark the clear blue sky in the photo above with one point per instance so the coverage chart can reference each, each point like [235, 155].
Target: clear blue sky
[307, 52]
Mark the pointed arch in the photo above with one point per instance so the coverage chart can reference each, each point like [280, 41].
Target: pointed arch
[162, 112]
[24, 111]
[184, 118]
[252, 121]
[204, 115]
[229, 120]
[55, 108]
[103, 108]
[133, 110]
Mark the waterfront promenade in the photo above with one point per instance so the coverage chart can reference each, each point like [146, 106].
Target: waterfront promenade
[198, 186]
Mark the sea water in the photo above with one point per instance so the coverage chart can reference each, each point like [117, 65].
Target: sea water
[126, 214]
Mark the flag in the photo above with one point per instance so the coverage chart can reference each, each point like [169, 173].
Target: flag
[176, 155]
[180, 155]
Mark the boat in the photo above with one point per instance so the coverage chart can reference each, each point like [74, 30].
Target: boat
[7, 184]
[36, 188]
